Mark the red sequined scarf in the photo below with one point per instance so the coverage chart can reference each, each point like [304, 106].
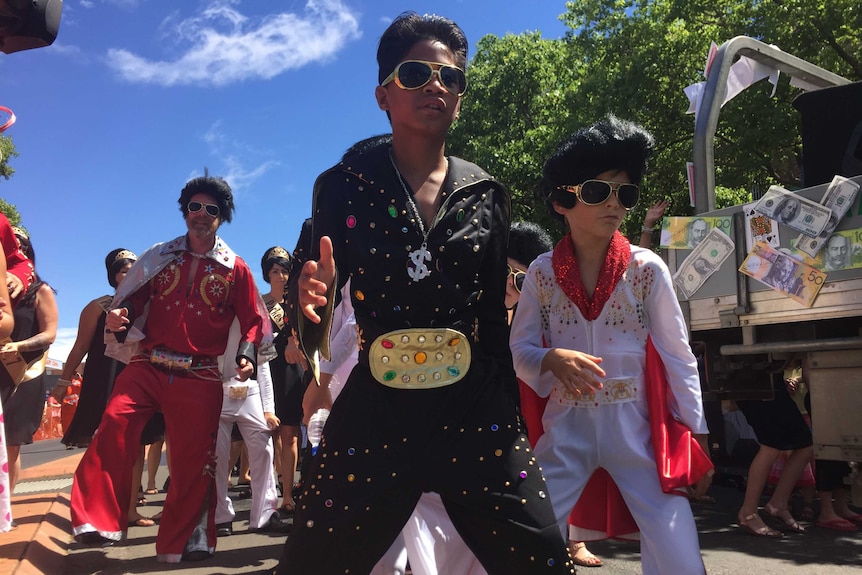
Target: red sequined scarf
[569, 276]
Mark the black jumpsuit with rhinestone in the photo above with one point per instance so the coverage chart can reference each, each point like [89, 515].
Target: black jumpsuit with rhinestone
[383, 447]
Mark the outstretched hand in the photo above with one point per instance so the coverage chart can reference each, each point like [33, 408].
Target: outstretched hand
[315, 279]
[655, 213]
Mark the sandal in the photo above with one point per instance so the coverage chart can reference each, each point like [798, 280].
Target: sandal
[142, 522]
[142, 500]
[785, 517]
[582, 556]
[764, 531]
[854, 518]
[151, 491]
[839, 524]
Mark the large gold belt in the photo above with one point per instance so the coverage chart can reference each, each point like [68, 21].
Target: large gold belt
[420, 358]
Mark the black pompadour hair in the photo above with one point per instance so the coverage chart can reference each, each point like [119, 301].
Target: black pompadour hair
[527, 241]
[213, 186]
[407, 29]
[609, 144]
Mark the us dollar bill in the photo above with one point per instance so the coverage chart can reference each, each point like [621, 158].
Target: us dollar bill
[794, 211]
[838, 198]
[702, 262]
[783, 273]
[680, 233]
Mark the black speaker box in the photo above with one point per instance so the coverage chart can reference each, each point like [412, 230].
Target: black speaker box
[28, 24]
[831, 133]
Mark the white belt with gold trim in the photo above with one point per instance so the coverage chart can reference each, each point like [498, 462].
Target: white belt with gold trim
[614, 390]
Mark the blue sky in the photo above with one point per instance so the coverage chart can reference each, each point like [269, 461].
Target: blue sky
[135, 97]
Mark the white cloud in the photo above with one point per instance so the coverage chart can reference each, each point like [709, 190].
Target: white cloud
[224, 46]
[228, 150]
[63, 343]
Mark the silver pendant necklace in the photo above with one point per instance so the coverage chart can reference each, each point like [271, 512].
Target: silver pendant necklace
[417, 269]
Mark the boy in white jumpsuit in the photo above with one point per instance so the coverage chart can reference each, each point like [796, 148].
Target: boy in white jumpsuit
[580, 335]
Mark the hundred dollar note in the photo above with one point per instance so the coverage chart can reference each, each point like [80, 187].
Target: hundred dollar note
[794, 211]
[842, 251]
[797, 280]
[678, 233]
[702, 262]
[838, 197]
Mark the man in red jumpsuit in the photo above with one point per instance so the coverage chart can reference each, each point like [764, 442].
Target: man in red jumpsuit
[170, 321]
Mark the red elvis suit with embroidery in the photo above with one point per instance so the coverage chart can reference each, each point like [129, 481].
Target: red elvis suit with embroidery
[191, 304]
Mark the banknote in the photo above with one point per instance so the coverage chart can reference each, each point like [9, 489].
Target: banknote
[783, 273]
[842, 251]
[702, 262]
[759, 228]
[794, 211]
[678, 233]
[838, 198]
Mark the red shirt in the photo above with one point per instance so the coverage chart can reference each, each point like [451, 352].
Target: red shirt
[16, 262]
[193, 314]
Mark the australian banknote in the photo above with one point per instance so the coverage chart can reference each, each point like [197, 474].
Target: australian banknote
[680, 233]
[783, 273]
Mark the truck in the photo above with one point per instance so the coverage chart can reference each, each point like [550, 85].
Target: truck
[743, 327]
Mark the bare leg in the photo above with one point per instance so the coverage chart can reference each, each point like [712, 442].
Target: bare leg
[13, 453]
[290, 435]
[235, 451]
[244, 469]
[276, 446]
[780, 500]
[137, 473]
[154, 458]
[758, 473]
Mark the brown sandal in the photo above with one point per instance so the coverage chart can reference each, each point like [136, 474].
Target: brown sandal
[785, 517]
[582, 556]
[764, 531]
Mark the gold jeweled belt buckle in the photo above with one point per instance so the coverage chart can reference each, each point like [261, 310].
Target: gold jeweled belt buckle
[420, 358]
[237, 392]
[169, 359]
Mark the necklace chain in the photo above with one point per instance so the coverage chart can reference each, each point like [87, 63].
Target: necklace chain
[413, 207]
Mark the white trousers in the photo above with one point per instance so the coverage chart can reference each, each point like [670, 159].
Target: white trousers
[248, 415]
[616, 437]
[431, 542]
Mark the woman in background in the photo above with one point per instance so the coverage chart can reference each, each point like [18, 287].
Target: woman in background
[100, 373]
[36, 320]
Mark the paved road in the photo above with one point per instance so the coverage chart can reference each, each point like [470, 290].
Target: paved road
[726, 549]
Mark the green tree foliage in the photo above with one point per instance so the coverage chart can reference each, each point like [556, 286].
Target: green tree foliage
[515, 112]
[633, 58]
[7, 151]
[11, 212]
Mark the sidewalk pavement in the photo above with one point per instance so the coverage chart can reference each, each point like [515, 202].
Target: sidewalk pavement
[40, 542]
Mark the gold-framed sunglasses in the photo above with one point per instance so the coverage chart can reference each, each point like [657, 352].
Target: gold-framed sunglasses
[413, 74]
[595, 192]
[212, 209]
[518, 277]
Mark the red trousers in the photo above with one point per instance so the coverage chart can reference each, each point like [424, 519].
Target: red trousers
[102, 488]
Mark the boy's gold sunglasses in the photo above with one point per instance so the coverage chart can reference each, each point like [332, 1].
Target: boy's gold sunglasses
[413, 74]
[594, 192]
